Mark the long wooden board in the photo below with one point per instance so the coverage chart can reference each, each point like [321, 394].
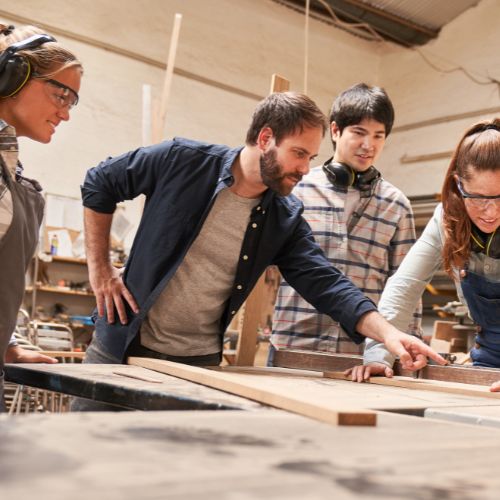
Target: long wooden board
[320, 361]
[267, 370]
[425, 385]
[261, 389]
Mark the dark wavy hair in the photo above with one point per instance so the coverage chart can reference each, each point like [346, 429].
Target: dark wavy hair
[285, 113]
[361, 102]
[478, 150]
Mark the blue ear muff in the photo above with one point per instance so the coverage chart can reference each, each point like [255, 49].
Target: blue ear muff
[15, 70]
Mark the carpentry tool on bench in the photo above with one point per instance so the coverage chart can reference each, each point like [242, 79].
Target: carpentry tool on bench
[450, 360]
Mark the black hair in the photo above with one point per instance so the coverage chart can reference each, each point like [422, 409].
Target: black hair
[360, 102]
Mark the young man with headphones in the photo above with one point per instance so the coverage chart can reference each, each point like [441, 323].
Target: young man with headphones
[362, 222]
[39, 81]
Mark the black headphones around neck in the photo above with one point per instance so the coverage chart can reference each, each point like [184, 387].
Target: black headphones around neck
[15, 70]
[342, 175]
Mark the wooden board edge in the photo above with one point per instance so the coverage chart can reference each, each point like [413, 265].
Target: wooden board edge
[424, 385]
[222, 381]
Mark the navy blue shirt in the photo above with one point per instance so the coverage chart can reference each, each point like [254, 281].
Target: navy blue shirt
[180, 180]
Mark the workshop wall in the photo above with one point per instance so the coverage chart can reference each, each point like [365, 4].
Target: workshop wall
[229, 44]
[227, 52]
[451, 99]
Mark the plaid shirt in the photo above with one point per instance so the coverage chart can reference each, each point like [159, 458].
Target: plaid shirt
[367, 254]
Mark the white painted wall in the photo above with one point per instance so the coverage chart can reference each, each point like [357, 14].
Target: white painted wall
[240, 43]
[236, 43]
[421, 93]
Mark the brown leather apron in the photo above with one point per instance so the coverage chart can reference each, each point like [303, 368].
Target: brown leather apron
[16, 250]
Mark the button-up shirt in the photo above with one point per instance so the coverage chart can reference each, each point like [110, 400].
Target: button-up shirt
[180, 180]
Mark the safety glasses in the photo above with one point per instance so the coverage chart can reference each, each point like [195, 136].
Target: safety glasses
[477, 200]
[61, 95]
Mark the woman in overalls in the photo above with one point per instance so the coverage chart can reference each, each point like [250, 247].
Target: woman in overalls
[463, 236]
[39, 84]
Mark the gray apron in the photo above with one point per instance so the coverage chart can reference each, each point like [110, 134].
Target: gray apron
[16, 250]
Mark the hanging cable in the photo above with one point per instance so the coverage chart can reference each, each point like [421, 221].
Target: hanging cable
[489, 80]
[306, 45]
[365, 31]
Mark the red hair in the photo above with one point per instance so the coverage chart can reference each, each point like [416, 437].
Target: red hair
[478, 150]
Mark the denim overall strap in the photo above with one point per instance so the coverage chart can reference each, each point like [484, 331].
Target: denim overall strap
[483, 300]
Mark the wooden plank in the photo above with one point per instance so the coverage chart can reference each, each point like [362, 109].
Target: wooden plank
[267, 370]
[279, 84]
[319, 361]
[64, 354]
[461, 374]
[260, 296]
[169, 73]
[262, 391]
[365, 396]
[247, 338]
[425, 385]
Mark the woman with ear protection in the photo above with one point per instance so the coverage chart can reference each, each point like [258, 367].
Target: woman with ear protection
[39, 84]
[463, 235]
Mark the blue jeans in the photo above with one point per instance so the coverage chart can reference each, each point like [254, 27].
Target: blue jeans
[2, 402]
[270, 355]
[96, 354]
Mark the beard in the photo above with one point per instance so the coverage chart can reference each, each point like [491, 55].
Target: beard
[272, 174]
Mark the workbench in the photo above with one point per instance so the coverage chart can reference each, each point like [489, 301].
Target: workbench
[108, 384]
[243, 455]
[252, 451]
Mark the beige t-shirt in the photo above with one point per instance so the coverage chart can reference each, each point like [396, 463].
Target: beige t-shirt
[185, 320]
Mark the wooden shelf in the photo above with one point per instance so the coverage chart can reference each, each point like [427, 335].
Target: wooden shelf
[74, 260]
[71, 260]
[55, 289]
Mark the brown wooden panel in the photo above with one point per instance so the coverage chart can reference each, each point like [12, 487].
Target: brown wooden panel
[319, 361]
